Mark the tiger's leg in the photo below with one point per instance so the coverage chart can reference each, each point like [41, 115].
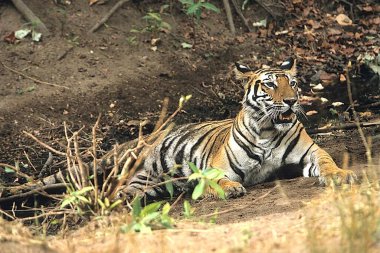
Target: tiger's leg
[143, 184]
[329, 171]
[321, 164]
[232, 189]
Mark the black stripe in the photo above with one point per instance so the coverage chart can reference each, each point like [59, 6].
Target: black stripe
[199, 141]
[284, 135]
[163, 152]
[217, 134]
[246, 149]
[303, 156]
[291, 146]
[237, 171]
[179, 156]
[141, 177]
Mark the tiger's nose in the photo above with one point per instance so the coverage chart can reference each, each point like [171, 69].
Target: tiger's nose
[290, 101]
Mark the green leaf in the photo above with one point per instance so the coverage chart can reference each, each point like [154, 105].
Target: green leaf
[102, 205]
[136, 207]
[8, 170]
[194, 176]
[115, 204]
[211, 7]
[166, 209]
[169, 187]
[187, 2]
[187, 209]
[186, 45]
[212, 173]
[199, 189]
[194, 8]
[150, 217]
[193, 167]
[83, 199]
[83, 190]
[151, 208]
[214, 185]
[67, 201]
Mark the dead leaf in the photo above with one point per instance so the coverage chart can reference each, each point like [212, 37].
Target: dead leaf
[343, 20]
[327, 78]
[91, 2]
[342, 78]
[314, 24]
[336, 104]
[10, 38]
[333, 31]
[311, 113]
[375, 21]
[318, 87]
[367, 8]
[240, 39]
[366, 115]
[155, 41]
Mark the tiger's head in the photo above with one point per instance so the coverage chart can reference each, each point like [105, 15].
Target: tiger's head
[272, 94]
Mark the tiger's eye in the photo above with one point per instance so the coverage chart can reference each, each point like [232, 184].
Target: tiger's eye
[270, 84]
[293, 83]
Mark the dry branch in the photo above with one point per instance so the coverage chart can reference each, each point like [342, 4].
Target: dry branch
[346, 126]
[44, 144]
[107, 16]
[240, 13]
[31, 192]
[30, 16]
[229, 16]
[32, 78]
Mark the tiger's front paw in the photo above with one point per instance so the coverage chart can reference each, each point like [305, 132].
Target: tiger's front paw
[231, 189]
[337, 176]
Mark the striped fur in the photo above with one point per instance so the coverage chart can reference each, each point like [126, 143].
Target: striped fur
[264, 137]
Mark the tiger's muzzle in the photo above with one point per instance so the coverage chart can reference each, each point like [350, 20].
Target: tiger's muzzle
[285, 117]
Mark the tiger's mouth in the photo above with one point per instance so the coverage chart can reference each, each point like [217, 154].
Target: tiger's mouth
[285, 117]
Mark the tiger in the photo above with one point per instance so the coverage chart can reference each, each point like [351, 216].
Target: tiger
[265, 136]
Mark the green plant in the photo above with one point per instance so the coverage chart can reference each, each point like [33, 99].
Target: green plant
[79, 200]
[206, 178]
[144, 219]
[195, 8]
[155, 22]
[188, 210]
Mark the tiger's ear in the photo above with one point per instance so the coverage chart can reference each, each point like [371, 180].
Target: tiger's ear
[290, 66]
[242, 71]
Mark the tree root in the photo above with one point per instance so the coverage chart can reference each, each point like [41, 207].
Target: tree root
[30, 16]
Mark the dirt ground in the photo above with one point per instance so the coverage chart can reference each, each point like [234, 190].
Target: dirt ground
[124, 76]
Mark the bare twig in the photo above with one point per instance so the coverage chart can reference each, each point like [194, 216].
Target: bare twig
[83, 169]
[243, 206]
[366, 143]
[7, 214]
[95, 166]
[44, 144]
[108, 15]
[46, 214]
[63, 54]
[164, 112]
[33, 191]
[229, 16]
[48, 162]
[345, 126]
[32, 78]
[17, 171]
[30, 16]
[240, 13]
